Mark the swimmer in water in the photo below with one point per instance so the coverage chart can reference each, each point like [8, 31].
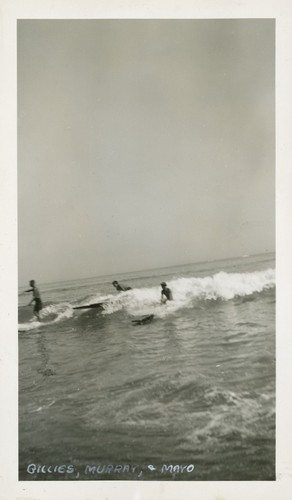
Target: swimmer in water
[120, 288]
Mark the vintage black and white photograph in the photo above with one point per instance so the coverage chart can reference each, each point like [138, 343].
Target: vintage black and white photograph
[146, 249]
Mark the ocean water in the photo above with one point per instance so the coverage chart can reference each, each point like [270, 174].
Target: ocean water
[187, 396]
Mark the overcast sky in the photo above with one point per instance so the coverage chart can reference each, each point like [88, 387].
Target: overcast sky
[143, 144]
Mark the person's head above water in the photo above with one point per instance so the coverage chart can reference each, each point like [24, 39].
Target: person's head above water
[32, 282]
[163, 284]
[115, 283]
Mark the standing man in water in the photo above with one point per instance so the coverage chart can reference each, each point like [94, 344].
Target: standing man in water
[36, 299]
[166, 293]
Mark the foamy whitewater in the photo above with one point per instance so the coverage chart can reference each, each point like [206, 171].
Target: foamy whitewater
[187, 396]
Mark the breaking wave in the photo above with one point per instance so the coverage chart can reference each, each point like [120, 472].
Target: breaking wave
[186, 293]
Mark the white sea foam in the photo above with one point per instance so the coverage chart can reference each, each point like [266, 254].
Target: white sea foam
[59, 312]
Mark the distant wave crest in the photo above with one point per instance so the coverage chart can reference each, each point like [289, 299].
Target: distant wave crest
[226, 286]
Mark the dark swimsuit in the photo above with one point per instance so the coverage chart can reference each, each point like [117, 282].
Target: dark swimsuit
[37, 305]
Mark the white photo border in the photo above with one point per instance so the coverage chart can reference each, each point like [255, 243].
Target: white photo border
[10, 12]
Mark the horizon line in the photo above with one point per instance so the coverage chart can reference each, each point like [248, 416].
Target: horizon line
[153, 268]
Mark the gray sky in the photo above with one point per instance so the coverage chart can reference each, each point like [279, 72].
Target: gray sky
[143, 144]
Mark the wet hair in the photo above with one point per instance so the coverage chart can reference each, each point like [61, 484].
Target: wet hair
[114, 282]
[163, 283]
[32, 282]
